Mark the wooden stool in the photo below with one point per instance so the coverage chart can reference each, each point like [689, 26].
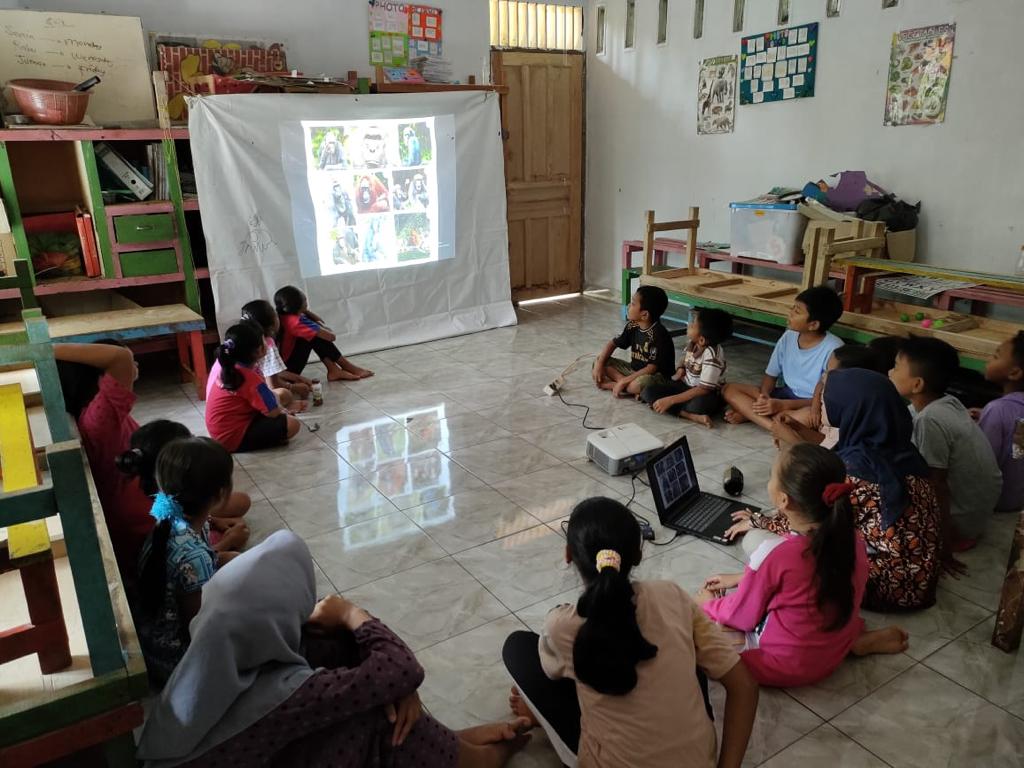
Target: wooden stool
[46, 634]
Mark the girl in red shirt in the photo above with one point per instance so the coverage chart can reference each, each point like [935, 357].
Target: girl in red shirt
[242, 414]
[303, 332]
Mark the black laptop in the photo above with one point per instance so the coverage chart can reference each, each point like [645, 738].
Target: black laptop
[682, 506]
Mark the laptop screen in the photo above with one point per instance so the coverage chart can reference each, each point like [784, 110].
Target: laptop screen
[672, 476]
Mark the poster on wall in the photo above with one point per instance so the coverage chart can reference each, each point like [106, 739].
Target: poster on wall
[779, 65]
[403, 31]
[716, 95]
[374, 189]
[919, 70]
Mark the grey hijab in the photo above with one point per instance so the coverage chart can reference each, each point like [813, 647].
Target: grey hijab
[244, 658]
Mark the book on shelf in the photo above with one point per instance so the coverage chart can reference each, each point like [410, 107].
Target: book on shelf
[133, 179]
[90, 254]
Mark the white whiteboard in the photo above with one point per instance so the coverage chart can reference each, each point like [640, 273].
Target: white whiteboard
[75, 46]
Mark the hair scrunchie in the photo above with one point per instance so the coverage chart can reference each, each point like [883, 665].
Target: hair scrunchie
[608, 558]
[835, 491]
[165, 507]
[228, 344]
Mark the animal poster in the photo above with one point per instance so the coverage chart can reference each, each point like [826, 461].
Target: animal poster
[779, 65]
[374, 190]
[919, 69]
[716, 95]
[403, 31]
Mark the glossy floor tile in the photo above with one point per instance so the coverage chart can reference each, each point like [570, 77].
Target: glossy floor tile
[432, 495]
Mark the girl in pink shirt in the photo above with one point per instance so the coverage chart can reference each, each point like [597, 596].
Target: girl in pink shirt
[798, 600]
[242, 414]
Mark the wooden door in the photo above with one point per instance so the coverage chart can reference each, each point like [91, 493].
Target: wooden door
[542, 121]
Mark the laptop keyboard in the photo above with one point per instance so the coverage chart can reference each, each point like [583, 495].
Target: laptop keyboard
[704, 512]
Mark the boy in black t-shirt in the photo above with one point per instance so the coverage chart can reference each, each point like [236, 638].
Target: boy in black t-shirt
[652, 356]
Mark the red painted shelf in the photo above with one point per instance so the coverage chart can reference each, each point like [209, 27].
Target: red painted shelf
[143, 206]
[56, 133]
[79, 284]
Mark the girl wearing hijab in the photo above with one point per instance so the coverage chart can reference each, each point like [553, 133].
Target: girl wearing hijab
[894, 504]
[273, 678]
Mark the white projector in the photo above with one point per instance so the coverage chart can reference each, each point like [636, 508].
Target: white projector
[622, 449]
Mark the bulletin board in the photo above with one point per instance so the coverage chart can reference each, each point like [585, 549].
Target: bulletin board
[403, 31]
[779, 65]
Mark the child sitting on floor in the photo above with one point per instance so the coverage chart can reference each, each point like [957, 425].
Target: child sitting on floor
[227, 531]
[695, 392]
[812, 426]
[288, 386]
[242, 414]
[799, 358]
[798, 600]
[964, 471]
[652, 356]
[617, 678]
[194, 477]
[303, 332]
[1002, 420]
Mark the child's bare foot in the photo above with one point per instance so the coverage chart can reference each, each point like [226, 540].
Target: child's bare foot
[888, 640]
[363, 373]
[734, 417]
[520, 708]
[702, 419]
[340, 375]
[495, 733]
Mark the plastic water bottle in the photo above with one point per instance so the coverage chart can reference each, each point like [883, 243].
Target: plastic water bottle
[317, 393]
[1020, 263]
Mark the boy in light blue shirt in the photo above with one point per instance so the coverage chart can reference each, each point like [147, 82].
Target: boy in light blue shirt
[800, 358]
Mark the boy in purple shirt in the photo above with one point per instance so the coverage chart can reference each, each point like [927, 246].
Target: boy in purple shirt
[1002, 420]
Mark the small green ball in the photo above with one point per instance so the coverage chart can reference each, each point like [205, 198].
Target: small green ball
[904, 317]
[919, 316]
[939, 323]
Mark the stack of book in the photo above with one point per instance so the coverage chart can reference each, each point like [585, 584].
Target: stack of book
[435, 69]
[157, 162]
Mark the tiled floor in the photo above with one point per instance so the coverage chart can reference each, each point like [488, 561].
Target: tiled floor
[432, 493]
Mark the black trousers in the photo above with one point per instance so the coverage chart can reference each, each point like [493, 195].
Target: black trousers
[702, 405]
[555, 701]
[325, 350]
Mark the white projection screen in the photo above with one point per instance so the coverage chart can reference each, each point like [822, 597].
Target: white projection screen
[388, 211]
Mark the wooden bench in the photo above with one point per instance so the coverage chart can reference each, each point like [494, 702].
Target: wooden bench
[979, 295]
[128, 322]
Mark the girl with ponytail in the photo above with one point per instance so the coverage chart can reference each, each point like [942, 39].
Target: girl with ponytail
[798, 601]
[242, 414]
[194, 478]
[615, 679]
[227, 531]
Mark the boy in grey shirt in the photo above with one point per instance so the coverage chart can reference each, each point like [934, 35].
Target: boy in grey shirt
[964, 471]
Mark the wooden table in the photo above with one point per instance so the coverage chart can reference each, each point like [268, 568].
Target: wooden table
[768, 302]
[135, 323]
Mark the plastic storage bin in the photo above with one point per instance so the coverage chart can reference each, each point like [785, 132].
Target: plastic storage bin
[769, 231]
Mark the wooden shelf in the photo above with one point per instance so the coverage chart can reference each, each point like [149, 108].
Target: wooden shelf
[190, 204]
[140, 207]
[81, 284]
[202, 273]
[57, 133]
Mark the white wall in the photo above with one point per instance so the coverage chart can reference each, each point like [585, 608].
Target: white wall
[643, 151]
[323, 36]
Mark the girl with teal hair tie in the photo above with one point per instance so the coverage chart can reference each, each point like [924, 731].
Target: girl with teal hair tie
[194, 478]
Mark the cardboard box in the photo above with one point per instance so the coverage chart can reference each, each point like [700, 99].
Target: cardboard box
[902, 246]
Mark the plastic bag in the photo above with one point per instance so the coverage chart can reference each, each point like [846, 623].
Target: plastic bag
[897, 214]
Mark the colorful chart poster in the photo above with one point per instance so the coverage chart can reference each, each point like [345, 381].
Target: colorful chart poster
[919, 69]
[779, 65]
[424, 31]
[402, 31]
[716, 95]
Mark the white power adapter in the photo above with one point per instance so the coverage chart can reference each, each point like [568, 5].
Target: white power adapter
[555, 386]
